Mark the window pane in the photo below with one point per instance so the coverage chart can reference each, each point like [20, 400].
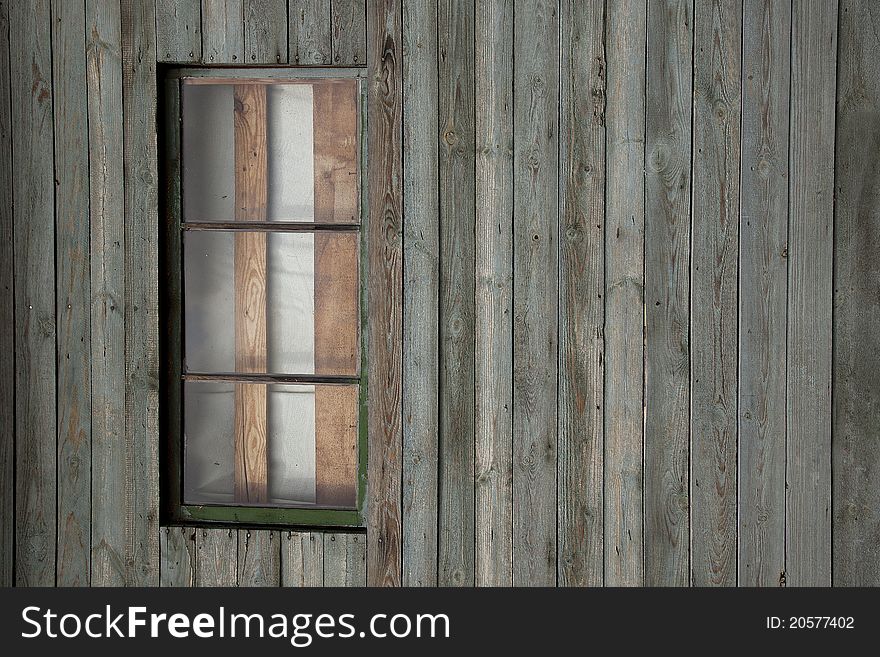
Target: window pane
[297, 291]
[295, 444]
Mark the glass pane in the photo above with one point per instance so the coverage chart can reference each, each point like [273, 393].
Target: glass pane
[277, 303]
[295, 445]
[300, 138]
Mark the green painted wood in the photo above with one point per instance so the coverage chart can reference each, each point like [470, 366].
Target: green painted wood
[217, 557]
[493, 320]
[309, 29]
[624, 292]
[106, 221]
[810, 294]
[259, 557]
[580, 461]
[385, 260]
[72, 296]
[34, 270]
[136, 539]
[223, 32]
[302, 559]
[763, 288]
[349, 32]
[345, 560]
[178, 30]
[456, 315]
[714, 281]
[265, 31]
[177, 547]
[667, 291]
[856, 386]
[421, 245]
[535, 304]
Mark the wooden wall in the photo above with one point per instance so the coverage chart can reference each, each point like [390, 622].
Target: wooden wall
[624, 296]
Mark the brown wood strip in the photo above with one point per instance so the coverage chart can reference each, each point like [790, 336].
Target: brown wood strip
[335, 121]
[336, 433]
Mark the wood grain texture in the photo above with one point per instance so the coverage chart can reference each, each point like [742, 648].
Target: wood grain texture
[265, 31]
[856, 386]
[810, 294]
[493, 291]
[535, 114]
[217, 557]
[421, 244]
[763, 289]
[714, 279]
[259, 557]
[135, 542]
[309, 32]
[667, 291]
[345, 560]
[385, 260]
[177, 547]
[107, 222]
[302, 559]
[34, 267]
[580, 461]
[349, 32]
[72, 296]
[624, 292]
[336, 151]
[178, 30]
[336, 445]
[456, 311]
[223, 31]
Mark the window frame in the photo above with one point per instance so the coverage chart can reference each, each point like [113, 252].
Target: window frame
[174, 510]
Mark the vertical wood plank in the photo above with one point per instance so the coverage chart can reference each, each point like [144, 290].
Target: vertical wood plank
[456, 372]
[810, 294]
[667, 290]
[73, 353]
[223, 31]
[107, 221]
[344, 560]
[714, 280]
[856, 300]
[581, 292]
[309, 30]
[137, 540]
[265, 31]
[178, 30]
[535, 103]
[493, 321]
[259, 557]
[763, 288]
[217, 557]
[34, 262]
[349, 32]
[302, 559]
[385, 296]
[420, 294]
[7, 317]
[624, 292]
[177, 547]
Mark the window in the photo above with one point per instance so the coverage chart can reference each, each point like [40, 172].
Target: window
[264, 303]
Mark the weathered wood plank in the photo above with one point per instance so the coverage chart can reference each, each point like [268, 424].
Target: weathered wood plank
[856, 386]
[34, 267]
[624, 292]
[385, 296]
[667, 290]
[73, 353]
[810, 294]
[223, 31]
[420, 294]
[217, 557]
[763, 289]
[714, 280]
[136, 539]
[535, 113]
[336, 457]
[456, 372]
[178, 30]
[259, 557]
[493, 321]
[581, 294]
[302, 559]
[349, 32]
[345, 560]
[177, 547]
[265, 31]
[309, 32]
[7, 318]
[107, 221]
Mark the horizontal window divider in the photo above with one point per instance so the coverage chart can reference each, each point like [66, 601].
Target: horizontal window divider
[270, 226]
[307, 379]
